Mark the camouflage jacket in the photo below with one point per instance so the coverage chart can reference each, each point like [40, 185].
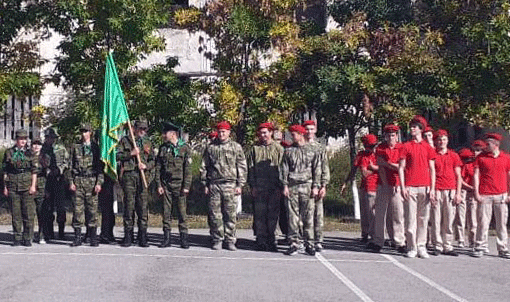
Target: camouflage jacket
[59, 159]
[44, 160]
[129, 162]
[300, 165]
[263, 164]
[223, 162]
[86, 162]
[18, 167]
[320, 150]
[173, 164]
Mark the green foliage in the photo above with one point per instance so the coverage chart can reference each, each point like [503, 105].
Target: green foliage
[378, 11]
[336, 204]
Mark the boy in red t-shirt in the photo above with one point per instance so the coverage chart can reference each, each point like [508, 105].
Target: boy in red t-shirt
[448, 187]
[417, 176]
[388, 204]
[492, 171]
[366, 161]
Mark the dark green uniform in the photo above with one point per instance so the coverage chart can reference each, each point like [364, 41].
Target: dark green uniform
[136, 197]
[173, 174]
[18, 166]
[86, 173]
[40, 198]
[56, 185]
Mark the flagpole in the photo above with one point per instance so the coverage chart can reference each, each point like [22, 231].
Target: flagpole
[138, 159]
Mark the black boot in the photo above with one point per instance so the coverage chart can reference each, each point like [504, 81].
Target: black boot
[142, 238]
[128, 239]
[61, 231]
[77, 237]
[93, 237]
[86, 237]
[184, 241]
[166, 240]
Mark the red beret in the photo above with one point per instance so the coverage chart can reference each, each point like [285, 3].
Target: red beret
[418, 119]
[269, 126]
[466, 153]
[223, 125]
[390, 128]
[213, 134]
[297, 128]
[428, 129]
[440, 132]
[493, 135]
[479, 143]
[308, 123]
[369, 140]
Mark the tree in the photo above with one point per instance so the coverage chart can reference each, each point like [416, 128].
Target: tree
[91, 29]
[245, 34]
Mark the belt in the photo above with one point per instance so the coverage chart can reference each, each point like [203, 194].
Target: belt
[20, 171]
[86, 175]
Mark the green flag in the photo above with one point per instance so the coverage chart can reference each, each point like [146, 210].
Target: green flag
[115, 115]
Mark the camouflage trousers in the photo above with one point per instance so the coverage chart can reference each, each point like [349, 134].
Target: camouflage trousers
[266, 213]
[173, 198]
[222, 212]
[318, 220]
[84, 203]
[136, 200]
[301, 209]
[56, 201]
[40, 202]
[23, 214]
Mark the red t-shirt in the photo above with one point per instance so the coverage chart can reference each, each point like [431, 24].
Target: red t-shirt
[389, 155]
[468, 172]
[493, 173]
[417, 156]
[363, 160]
[445, 170]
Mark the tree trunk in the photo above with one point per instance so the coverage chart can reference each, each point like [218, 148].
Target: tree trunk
[352, 153]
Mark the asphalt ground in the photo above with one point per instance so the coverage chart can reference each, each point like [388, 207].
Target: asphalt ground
[344, 271]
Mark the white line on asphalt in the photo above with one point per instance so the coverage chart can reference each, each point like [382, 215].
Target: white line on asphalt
[425, 279]
[308, 259]
[343, 278]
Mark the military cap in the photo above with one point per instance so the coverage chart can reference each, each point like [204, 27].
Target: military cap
[420, 120]
[309, 123]
[85, 127]
[297, 128]
[440, 132]
[466, 153]
[37, 141]
[168, 126]
[213, 134]
[20, 133]
[391, 128]
[369, 140]
[223, 125]
[479, 143]
[51, 132]
[268, 126]
[495, 136]
[141, 125]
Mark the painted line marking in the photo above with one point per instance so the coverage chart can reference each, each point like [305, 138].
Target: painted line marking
[425, 279]
[288, 259]
[343, 278]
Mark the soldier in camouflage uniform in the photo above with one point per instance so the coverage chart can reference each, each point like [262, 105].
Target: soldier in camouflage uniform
[223, 174]
[44, 162]
[20, 170]
[55, 183]
[136, 197]
[263, 161]
[300, 176]
[318, 217]
[86, 179]
[173, 180]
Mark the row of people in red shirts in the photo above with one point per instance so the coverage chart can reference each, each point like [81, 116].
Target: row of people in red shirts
[422, 194]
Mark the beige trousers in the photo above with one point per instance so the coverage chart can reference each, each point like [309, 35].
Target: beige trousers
[416, 216]
[389, 211]
[442, 216]
[471, 220]
[367, 213]
[459, 224]
[488, 204]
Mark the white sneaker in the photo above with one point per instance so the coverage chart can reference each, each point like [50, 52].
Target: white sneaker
[411, 254]
[42, 241]
[461, 244]
[422, 253]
